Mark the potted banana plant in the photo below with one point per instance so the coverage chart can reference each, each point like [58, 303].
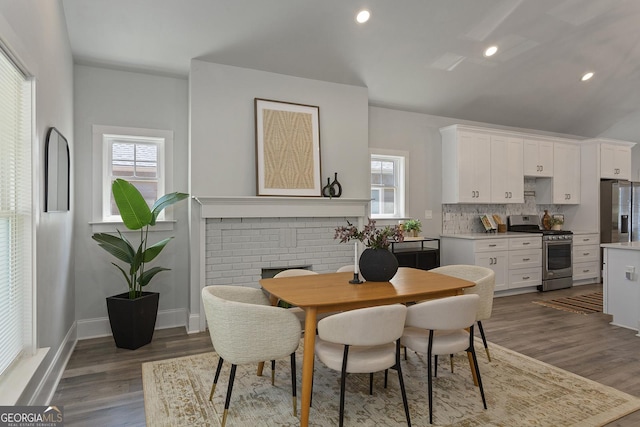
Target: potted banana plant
[132, 314]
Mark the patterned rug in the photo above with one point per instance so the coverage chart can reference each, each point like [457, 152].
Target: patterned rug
[520, 391]
[581, 304]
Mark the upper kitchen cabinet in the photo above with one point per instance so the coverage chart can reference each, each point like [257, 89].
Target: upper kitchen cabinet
[480, 166]
[564, 187]
[466, 166]
[615, 159]
[538, 157]
[507, 179]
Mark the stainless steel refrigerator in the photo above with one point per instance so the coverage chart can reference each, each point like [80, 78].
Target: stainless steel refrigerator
[619, 211]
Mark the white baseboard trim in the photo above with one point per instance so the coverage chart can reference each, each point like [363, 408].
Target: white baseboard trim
[194, 324]
[99, 327]
[48, 384]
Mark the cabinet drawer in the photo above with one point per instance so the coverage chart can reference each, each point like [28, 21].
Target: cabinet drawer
[586, 270]
[525, 243]
[586, 253]
[491, 245]
[525, 277]
[525, 258]
[586, 239]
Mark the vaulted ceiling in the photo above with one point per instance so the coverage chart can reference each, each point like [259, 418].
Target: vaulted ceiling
[415, 55]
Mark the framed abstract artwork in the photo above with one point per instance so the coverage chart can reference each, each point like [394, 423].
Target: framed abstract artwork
[287, 149]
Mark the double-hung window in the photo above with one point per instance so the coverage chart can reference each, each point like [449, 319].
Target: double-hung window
[17, 274]
[387, 184]
[136, 155]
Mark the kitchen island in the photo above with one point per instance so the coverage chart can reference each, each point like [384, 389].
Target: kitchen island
[621, 287]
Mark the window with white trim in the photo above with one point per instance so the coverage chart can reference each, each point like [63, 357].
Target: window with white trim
[136, 155]
[387, 184]
[16, 215]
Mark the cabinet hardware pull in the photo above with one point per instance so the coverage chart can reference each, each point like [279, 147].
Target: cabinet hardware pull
[585, 253]
[506, 195]
[526, 259]
[525, 277]
[586, 271]
[493, 245]
[585, 240]
[495, 260]
[526, 243]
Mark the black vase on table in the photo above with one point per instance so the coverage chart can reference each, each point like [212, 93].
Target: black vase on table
[378, 265]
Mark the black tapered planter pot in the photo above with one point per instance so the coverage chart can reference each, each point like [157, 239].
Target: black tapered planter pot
[133, 320]
[378, 265]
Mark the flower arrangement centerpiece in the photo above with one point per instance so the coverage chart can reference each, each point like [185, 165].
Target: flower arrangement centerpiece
[371, 236]
[377, 263]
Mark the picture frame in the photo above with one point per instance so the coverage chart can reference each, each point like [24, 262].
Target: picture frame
[488, 222]
[287, 149]
[56, 172]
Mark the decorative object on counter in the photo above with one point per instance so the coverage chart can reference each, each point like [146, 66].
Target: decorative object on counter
[488, 223]
[332, 189]
[502, 227]
[412, 226]
[377, 263]
[546, 220]
[557, 221]
[287, 149]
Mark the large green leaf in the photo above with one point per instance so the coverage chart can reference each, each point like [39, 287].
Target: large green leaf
[116, 246]
[127, 278]
[153, 251]
[146, 277]
[163, 202]
[133, 208]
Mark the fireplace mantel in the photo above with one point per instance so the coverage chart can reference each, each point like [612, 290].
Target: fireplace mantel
[280, 207]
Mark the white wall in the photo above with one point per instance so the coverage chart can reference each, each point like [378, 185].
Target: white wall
[129, 99]
[223, 128]
[36, 32]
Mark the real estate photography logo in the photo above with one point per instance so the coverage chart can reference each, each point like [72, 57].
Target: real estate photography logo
[31, 416]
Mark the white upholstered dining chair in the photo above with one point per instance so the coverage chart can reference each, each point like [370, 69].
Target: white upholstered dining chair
[236, 317]
[346, 269]
[439, 326]
[365, 340]
[485, 280]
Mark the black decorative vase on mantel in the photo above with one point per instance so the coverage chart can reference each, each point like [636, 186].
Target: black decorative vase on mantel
[378, 265]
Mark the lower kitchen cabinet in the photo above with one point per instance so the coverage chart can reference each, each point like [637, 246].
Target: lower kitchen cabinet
[586, 258]
[516, 261]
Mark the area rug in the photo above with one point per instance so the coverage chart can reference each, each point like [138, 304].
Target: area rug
[520, 391]
[581, 304]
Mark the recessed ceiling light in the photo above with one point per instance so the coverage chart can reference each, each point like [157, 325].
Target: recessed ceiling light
[587, 76]
[363, 16]
[491, 51]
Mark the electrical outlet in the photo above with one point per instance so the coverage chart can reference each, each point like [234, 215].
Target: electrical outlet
[428, 214]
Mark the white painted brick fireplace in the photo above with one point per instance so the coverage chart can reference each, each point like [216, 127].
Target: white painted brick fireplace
[238, 237]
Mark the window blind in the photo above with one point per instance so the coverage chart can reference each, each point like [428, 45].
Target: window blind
[15, 213]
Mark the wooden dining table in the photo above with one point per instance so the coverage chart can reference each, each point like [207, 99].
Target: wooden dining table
[322, 293]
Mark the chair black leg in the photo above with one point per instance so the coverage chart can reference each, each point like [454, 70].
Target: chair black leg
[343, 378]
[273, 372]
[451, 360]
[386, 375]
[401, 380]
[232, 377]
[215, 378]
[484, 340]
[477, 369]
[370, 383]
[429, 379]
[293, 384]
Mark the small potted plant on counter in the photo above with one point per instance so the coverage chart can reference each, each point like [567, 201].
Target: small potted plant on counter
[412, 226]
[556, 222]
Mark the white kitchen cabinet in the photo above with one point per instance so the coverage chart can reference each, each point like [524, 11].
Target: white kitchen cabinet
[517, 262]
[507, 176]
[586, 258]
[564, 187]
[466, 166]
[615, 161]
[538, 157]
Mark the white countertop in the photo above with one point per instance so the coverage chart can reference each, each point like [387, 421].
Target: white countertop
[475, 236]
[632, 246]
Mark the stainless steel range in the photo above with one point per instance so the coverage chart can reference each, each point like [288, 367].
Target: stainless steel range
[557, 269]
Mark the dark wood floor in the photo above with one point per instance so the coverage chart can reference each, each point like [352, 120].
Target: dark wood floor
[102, 385]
